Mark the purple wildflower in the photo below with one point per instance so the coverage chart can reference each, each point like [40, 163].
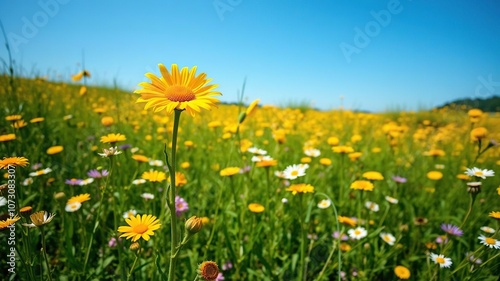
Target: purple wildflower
[442, 239]
[73, 181]
[226, 266]
[125, 146]
[97, 175]
[112, 242]
[452, 229]
[181, 205]
[36, 166]
[336, 235]
[398, 179]
[219, 277]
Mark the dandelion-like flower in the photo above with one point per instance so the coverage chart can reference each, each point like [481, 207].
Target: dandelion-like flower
[402, 272]
[178, 90]
[113, 138]
[373, 176]
[154, 176]
[300, 188]
[13, 161]
[39, 219]
[441, 260]
[9, 221]
[489, 242]
[140, 227]
[256, 208]
[362, 185]
[54, 149]
[230, 171]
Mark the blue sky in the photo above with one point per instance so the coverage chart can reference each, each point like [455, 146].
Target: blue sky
[377, 55]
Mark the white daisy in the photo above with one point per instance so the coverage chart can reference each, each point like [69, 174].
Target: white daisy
[112, 151]
[489, 241]
[27, 181]
[260, 158]
[138, 181]
[372, 206]
[129, 213]
[325, 203]
[256, 150]
[487, 229]
[357, 233]
[86, 181]
[40, 172]
[441, 260]
[148, 196]
[3, 201]
[391, 200]
[157, 163]
[312, 152]
[72, 207]
[476, 172]
[294, 171]
[388, 238]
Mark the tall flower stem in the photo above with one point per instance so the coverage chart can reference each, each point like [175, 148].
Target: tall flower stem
[174, 239]
[303, 238]
[471, 203]
[44, 251]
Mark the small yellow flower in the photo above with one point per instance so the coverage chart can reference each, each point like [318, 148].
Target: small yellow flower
[402, 272]
[140, 158]
[362, 185]
[434, 175]
[193, 224]
[139, 227]
[13, 161]
[230, 171]
[79, 198]
[15, 117]
[347, 221]
[256, 208]
[37, 120]
[373, 176]
[300, 188]
[113, 138]
[342, 149]
[478, 133]
[325, 161]
[7, 137]
[154, 176]
[54, 149]
[107, 121]
[495, 215]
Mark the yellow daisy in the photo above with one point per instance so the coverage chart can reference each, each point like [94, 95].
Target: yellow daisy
[54, 149]
[154, 176]
[230, 171]
[139, 227]
[13, 161]
[113, 138]
[179, 90]
[79, 198]
[300, 188]
[256, 208]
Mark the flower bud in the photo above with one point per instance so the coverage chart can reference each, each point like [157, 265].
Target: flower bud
[194, 224]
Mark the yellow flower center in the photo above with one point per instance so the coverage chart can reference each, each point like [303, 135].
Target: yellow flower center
[179, 93]
[490, 241]
[357, 232]
[440, 260]
[140, 228]
[294, 173]
[479, 173]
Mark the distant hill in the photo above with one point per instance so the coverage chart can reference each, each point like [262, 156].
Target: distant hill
[490, 104]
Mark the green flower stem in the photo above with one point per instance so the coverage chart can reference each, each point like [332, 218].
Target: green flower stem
[133, 266]
[98, 215]
[174, 239]
[303, 238]
[471, 203]
[44, 251]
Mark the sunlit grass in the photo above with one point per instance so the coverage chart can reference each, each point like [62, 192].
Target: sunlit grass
[254, 226]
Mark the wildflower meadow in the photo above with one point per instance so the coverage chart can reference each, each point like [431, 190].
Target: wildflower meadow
[167, 183]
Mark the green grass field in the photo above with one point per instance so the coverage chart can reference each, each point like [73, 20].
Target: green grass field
[327, 220]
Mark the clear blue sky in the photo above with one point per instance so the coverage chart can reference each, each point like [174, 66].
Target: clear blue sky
[378, 55]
